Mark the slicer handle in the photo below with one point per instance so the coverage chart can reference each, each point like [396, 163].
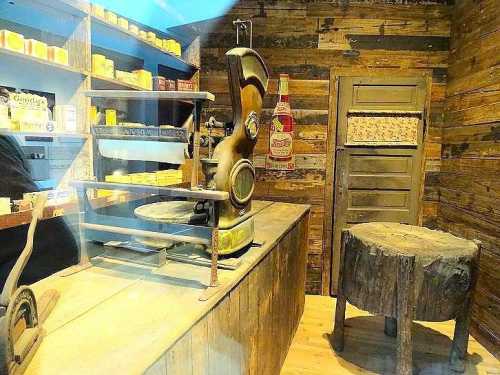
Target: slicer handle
[14, 275]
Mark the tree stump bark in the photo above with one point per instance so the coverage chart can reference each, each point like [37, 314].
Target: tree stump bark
[404, 273]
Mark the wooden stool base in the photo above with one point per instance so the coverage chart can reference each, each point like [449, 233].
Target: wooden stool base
[432, 273]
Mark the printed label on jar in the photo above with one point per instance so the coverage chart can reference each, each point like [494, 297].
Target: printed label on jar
[280, 144]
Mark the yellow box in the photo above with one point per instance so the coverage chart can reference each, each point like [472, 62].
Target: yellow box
[126, 77]
[121, 179]
[109, 68]
[110, 117]
[93, 115]
[169, 45]
[133, 29]
[123, 23]
[144, 78]
[159, 43]
[58, 55]
[111, 17]
[177, 49]
[166, 44]
[104, 193]
[151, 37]
[98, 10]
[143, 34]
[99, 64]
[36, 48]
[12, 41]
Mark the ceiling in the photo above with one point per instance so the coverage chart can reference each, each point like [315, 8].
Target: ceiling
[162, 14]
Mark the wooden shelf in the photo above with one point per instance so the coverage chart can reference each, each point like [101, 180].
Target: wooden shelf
[44, 134]
[113, 83]
[42, 62]
[16, 219]
[214, 195]
[152, 95]
[144, 42]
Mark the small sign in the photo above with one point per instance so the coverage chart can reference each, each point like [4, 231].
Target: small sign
[281, 165]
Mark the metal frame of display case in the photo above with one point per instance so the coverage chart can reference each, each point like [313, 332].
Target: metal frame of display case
[103, 228]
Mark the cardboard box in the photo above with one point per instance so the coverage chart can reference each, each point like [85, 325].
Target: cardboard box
[58, 55]
[170, 85]
[98, 10]
[109, 68]
[133, 29]
[123, 23]
[110, 117]
[36, 48]
[126, 77]
[144, 78]
[169, 45]
[99, 64]
[177, 49]
[12, 41]
[184, 85]
[151, 37]
[111, 17]
[159, 83]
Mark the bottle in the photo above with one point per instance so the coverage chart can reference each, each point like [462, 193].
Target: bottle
[281, 130]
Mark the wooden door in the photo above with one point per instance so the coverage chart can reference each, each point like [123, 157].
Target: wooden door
[380, 127]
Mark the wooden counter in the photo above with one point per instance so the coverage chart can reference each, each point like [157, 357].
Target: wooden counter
[128, 319]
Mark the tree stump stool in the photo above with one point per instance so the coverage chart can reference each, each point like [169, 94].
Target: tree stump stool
[406, 272]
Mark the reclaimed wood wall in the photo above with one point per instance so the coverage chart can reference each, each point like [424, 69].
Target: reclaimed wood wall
[306, 39]
[250, 330]
[469, 180]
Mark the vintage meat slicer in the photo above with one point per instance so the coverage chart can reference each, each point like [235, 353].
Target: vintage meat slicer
[229, 167]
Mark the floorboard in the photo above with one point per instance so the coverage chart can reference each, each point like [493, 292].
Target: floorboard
[368, 351]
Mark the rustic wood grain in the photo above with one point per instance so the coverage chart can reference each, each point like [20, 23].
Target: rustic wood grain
[299, 38]
[469, 184]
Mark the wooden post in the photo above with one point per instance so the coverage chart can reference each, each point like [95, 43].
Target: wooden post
[405, 307]
[215, 244]
[462, 321]
[390, 326]
[338, 329]
[196, 144]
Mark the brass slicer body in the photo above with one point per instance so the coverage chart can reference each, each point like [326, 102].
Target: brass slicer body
[230, 168]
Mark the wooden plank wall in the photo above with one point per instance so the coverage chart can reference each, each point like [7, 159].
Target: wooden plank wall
[305, 39]
[250, 330]
[469, 181]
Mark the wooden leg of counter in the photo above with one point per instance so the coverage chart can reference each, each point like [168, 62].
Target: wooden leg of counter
[251, 329]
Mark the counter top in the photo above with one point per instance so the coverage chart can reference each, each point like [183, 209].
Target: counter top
[117, 317]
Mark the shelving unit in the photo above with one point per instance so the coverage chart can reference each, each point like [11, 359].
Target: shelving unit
[42, 62]
[112, 83]
[70, 24]
[143, 42]
[44, 134]
[152, 95]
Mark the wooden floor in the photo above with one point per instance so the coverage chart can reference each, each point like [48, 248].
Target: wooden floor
[367, 350]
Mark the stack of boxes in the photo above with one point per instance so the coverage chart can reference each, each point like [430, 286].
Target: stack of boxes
[104, 67]
[166, 45]
[158, 178]
[16, 42]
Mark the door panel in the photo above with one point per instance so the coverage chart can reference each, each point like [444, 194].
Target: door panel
[377, 94]
[378, 164]
[379, 198]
